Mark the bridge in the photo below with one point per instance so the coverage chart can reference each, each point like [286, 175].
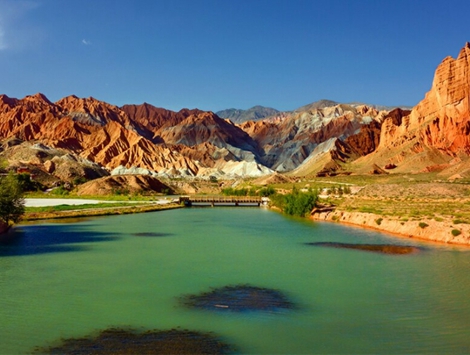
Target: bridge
[223, 200]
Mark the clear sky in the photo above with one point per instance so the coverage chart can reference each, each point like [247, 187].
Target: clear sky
[217, 54]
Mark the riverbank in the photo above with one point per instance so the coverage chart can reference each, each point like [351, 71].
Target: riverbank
[442, 231]
[99, 211]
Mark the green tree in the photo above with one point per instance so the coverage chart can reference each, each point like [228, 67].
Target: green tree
[11, 199]
[299, 203]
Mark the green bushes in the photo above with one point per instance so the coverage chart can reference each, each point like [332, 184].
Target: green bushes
[264, 191]
[296, 203]
[379, 221]
[230, 191]
[60, 191]
[267, 191]
[456, 232]
[423, 225]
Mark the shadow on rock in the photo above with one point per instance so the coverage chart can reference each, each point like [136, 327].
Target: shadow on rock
[127, 341]
[31, 240]
[238, 298]
[376, 248]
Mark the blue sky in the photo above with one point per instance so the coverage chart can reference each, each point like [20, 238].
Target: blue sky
[217, 54]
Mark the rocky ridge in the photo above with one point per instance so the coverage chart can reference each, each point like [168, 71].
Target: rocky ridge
[324, 138]
[255, 113]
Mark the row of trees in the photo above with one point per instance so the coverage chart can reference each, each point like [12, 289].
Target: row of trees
[253, 191]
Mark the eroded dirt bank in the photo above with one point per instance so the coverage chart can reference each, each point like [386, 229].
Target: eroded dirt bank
[425, 229]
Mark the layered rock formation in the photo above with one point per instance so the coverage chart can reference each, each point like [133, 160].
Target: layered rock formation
[185, 143]
[288, 141]
[435, 135]
[316, 139]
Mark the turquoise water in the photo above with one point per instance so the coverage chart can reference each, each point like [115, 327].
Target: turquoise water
[71, 279]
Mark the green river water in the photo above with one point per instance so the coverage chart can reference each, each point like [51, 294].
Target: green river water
[61, 280]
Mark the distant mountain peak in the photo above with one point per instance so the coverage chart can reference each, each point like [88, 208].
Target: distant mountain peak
[254, 113]
[317, 105]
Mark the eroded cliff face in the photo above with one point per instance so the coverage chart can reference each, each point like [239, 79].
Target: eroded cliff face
[441, 121]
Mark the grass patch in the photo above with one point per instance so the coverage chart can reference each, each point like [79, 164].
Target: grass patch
[459, 221]
[65, 207]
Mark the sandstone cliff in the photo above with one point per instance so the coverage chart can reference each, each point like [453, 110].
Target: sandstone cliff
[436, 132]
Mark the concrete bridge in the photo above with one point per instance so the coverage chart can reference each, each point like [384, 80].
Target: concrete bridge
[223, 200]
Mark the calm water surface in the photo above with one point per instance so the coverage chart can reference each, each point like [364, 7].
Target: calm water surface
[71, 279]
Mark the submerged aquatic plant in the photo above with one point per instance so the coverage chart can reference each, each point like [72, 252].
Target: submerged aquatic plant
[118, 341]
[377, 248]
[238, 298]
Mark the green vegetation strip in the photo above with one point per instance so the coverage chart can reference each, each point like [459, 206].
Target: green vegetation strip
[66, 207]
[98, 211]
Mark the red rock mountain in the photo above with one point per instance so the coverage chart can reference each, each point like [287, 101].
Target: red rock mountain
[433, 136]
[142, 136]
[436, 134]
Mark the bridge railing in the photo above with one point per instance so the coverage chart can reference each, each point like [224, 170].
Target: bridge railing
[221, 199]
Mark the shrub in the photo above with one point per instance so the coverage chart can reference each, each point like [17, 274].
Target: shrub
[423, 225]
[456, 232]
[267, 191]
[229, 191]
[79, 180]
[459, 221]
[379, 221]
[11, 199]
[296, 203]
[61, 191]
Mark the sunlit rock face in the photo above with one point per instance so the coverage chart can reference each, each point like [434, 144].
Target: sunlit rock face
[195, 143]
[442, 119]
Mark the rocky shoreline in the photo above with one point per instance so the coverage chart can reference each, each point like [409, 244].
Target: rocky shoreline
[424, 229]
